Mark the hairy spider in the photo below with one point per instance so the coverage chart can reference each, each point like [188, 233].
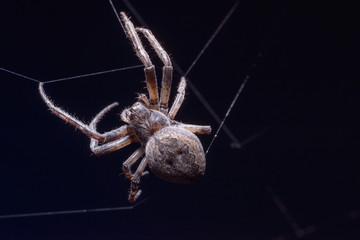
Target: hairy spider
[171, 149]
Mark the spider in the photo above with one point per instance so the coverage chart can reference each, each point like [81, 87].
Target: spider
[172, 150]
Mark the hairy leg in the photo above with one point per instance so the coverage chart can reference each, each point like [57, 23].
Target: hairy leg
[114, 143]
[84, 128]
[135, 180]
[167, 69]
[198, 129]
[131, 160]
[145, 59]
[178, 99]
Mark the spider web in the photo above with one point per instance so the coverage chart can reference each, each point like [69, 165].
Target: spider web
[220, 120]
[287, 183]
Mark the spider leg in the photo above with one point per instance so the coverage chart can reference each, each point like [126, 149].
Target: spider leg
[198, 129]
[135, 180]
[131, 160]
[84, 128]
[111, 146]
[118, 139]
[167, 69]
[178, 99]
[142, 98]
[101, 114]
[113, 134]
[122, 142]
[145, 59]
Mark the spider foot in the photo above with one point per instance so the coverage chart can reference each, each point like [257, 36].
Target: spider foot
[137, 195]
[135, 192]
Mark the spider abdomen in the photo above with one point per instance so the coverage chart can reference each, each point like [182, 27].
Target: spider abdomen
[176, 155]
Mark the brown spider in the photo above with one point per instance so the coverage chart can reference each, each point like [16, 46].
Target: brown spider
[172, 150]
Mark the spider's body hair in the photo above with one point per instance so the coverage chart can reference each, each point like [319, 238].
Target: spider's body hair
[144, 122]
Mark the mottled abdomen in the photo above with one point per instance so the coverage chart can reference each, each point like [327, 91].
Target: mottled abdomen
[176, 155]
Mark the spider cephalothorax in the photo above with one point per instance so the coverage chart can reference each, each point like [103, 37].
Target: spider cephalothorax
[144, 121]
[172, 151]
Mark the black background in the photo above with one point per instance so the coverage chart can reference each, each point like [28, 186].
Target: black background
[300, 102]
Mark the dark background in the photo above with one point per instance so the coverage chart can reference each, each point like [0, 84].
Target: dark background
[297, 120]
